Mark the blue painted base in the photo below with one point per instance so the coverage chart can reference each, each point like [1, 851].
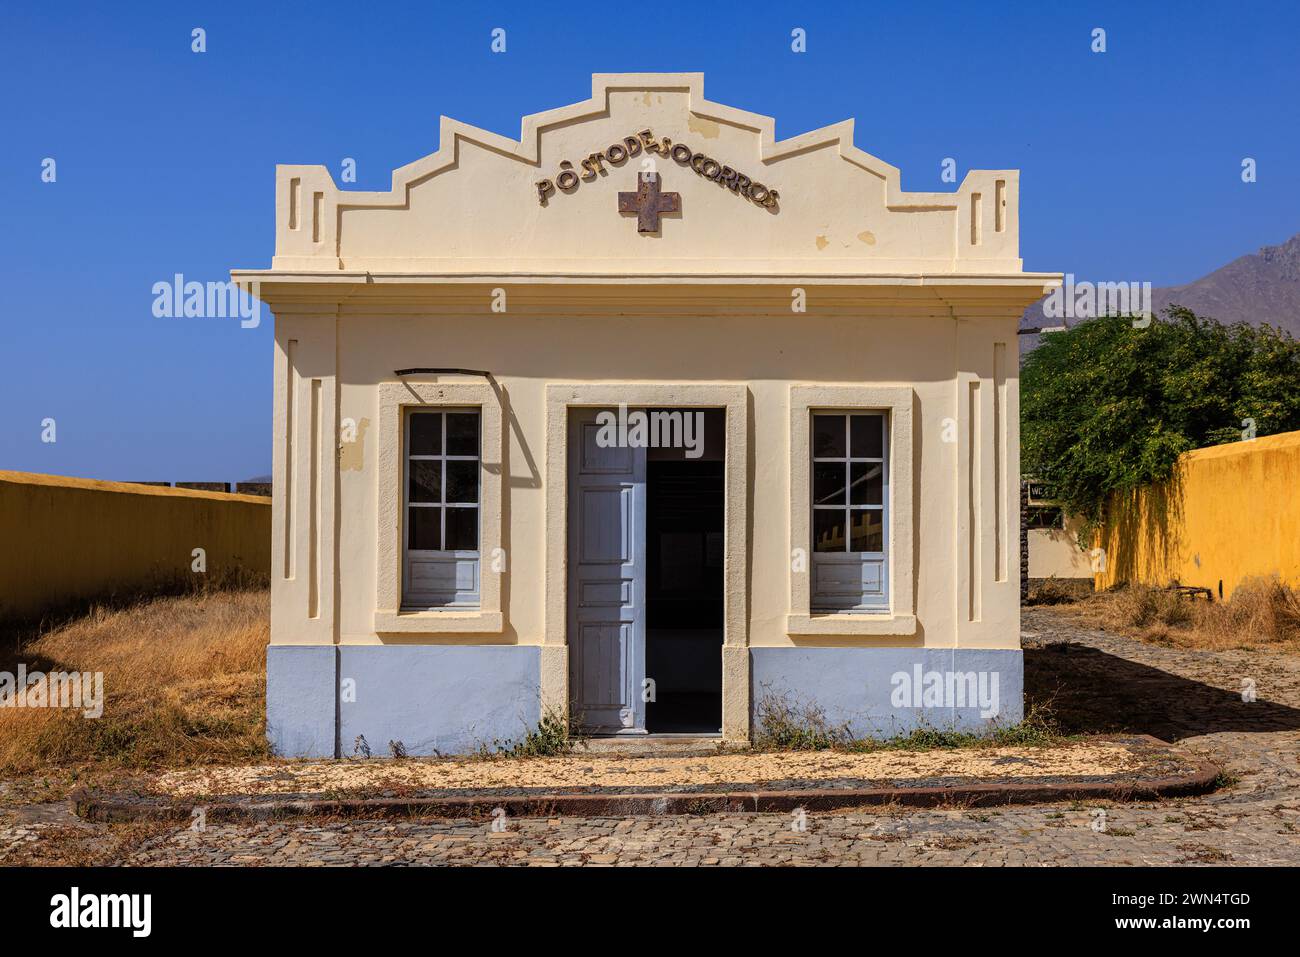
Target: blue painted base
[884, 692]
[300, 691]
[433, 699]
[455, 699]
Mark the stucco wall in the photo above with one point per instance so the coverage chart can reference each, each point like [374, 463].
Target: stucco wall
[524, 353]
[64, 539]
[849, 285]
[1231, 512]
[962, 582]
[1055, 553]
[473, 206]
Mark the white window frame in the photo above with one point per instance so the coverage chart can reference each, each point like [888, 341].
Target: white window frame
[833, 601]
[455, 559]
[897, 616]
[390, 617]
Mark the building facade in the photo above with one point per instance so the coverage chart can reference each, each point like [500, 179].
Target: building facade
[647, 419]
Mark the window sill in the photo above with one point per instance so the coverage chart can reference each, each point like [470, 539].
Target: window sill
[846, 623]
[449, 622]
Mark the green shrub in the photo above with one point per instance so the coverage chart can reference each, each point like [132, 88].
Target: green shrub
[787, 726]
[1106, 407]
[554, 735]
[783, 726]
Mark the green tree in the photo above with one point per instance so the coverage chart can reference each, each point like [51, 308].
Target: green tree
[1106, 407]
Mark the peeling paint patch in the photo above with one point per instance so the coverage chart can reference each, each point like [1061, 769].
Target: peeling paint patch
[706, 128]
[868, 237]
[352, 455]
[822, 242]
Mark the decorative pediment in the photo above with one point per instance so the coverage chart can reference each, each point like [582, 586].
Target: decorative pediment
[646, 178]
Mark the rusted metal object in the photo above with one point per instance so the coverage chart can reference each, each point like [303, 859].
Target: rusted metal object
[648, 203]
[567, 180]
[1192, 592]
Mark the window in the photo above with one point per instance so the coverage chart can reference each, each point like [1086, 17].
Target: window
[850, 483]
[1044, 516]
[443, 462]
[840, 592]
[439, 587]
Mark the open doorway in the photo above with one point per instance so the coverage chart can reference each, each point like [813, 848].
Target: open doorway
[684, 581]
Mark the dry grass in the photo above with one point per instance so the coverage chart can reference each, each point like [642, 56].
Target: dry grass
[184, 683]
[1262, 612]
[1056, 591]
[1264, 609]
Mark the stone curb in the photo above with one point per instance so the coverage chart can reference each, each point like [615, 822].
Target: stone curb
[1201, 780]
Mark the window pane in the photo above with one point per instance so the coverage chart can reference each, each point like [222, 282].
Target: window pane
[462, 433]
[866, 439]
[828, 436]
[867, 485]
[426, 481]
[426, 433]
[828, 530]
[462, 481]
[868, 531]
[425, 528]
[462, 529]
[828, 483]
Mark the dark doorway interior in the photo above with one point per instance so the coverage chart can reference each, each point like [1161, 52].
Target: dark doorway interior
[684, 548]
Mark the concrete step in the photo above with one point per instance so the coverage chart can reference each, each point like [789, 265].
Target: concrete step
[650, 745]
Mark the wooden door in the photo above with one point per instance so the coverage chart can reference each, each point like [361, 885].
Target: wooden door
[606, 587]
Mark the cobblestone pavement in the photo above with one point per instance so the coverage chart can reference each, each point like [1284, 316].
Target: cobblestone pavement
[1099, 682]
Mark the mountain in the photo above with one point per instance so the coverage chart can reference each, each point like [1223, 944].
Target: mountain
[1258, 288]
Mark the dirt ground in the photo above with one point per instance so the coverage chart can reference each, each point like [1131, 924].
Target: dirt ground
[583, 771]
[1099, 682]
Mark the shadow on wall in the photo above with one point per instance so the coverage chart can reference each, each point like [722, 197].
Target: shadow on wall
[1143, 535]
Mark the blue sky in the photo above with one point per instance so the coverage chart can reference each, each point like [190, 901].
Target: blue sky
[1130, 159]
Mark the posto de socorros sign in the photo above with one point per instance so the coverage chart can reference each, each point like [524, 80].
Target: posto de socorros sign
[568, 179]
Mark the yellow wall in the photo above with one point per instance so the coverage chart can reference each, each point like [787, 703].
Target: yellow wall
[64, 539]
[1232, 511]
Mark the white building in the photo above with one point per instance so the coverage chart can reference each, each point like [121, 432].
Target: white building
[831, 514]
